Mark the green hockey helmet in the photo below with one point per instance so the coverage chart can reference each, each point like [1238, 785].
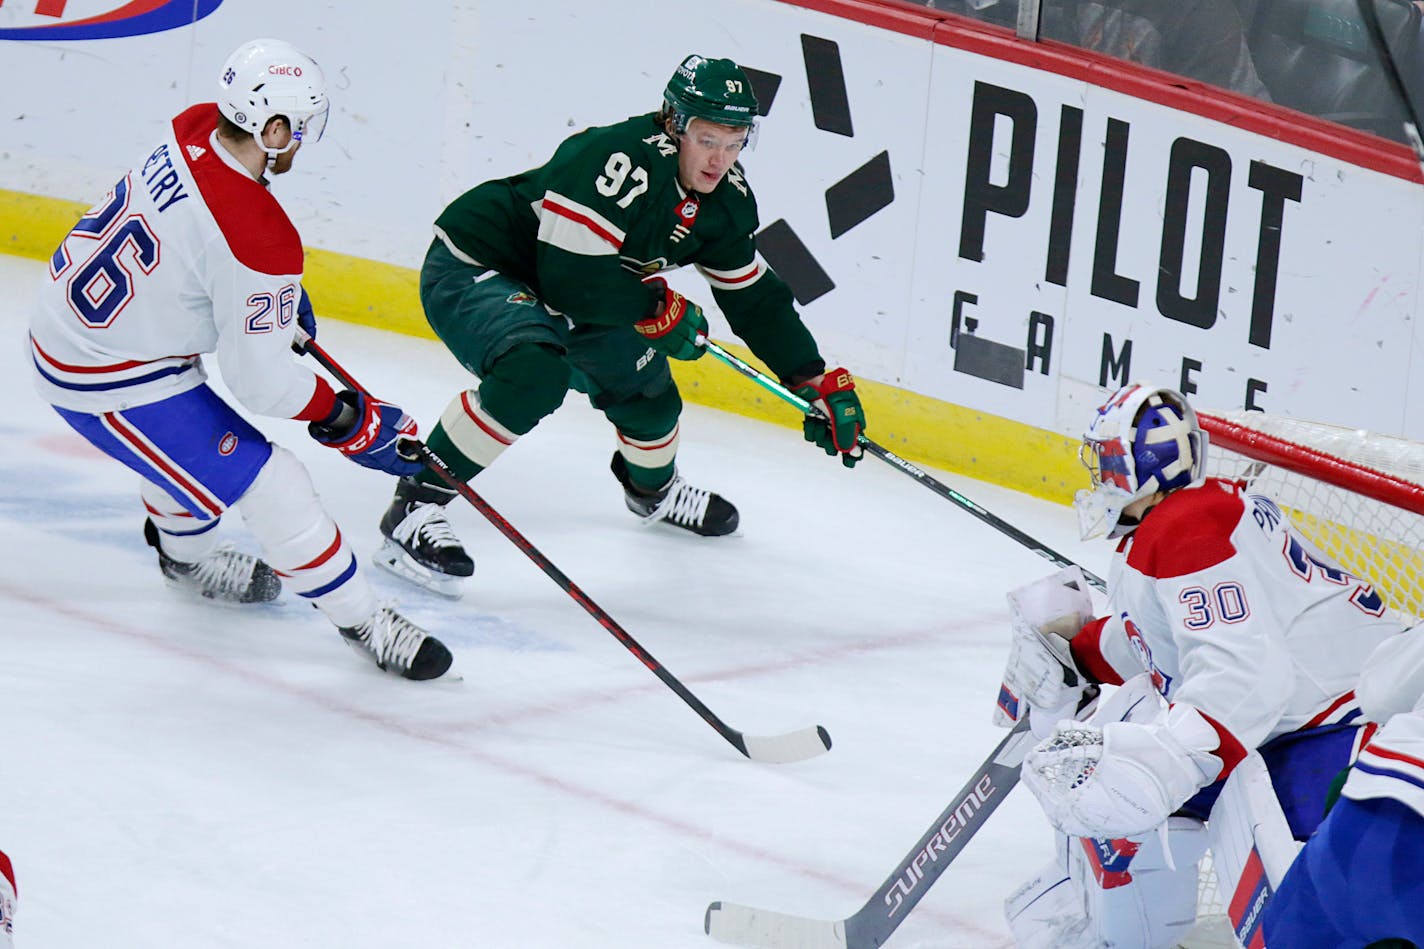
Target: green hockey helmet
[713, 89]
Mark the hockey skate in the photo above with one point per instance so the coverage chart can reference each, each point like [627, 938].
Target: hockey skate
[679, 504]
[398, 646]
[420, 545]
[226, 574]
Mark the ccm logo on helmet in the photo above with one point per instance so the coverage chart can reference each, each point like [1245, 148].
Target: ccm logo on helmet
[275, 70]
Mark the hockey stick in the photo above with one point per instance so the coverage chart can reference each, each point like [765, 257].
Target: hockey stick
[873, 923]
[900, 464]
[776, 749]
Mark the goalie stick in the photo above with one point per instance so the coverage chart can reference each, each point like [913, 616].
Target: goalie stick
[900, 464]
[873, 923]
[774, 749]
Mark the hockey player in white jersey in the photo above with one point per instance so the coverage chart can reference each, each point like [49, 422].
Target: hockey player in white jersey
[191, 254]
[1360, 878]
[8, 898]
[1225, 632]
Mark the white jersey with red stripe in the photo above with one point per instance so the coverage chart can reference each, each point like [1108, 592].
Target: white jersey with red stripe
[1391, 690]
[188, 255]
[1235, 614]
[8, 898]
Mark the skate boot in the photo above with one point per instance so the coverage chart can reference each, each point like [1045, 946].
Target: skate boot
[226, 574]
[420, 545]
[398, 646]
[678, 503]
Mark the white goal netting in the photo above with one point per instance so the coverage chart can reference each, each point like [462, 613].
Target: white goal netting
[1359, 497]
[1356, 495]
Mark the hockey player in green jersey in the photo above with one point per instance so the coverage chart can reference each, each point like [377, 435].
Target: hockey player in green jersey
[547, 281]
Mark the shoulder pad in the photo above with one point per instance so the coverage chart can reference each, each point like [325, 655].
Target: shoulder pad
[257, 230]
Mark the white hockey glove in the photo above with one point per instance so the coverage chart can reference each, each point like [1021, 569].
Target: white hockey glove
[1040, 673]
[1122, 778]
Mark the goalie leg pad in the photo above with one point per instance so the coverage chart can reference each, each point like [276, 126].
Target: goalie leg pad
[1251, 846]
[302, 543]
[1140, 892]
[1048, 912]
[1119, 894]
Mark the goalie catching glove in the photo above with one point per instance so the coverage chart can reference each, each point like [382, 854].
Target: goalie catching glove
[1040, 673]
[1111, 778]
[842, 419]
[368, 432]
[677, 323]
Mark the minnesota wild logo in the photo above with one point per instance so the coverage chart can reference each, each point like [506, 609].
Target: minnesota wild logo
[522, 297]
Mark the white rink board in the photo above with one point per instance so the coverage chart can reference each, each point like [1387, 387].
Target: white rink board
[1338, 327]
[432, 99]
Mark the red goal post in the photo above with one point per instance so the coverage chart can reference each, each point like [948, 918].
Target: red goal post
[1357, 495]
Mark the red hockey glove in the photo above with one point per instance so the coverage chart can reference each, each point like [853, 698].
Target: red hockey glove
[372, 438]
[834, 394]
[675, 329]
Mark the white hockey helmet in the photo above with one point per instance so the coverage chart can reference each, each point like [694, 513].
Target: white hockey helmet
[265, 78]
[1144, 439]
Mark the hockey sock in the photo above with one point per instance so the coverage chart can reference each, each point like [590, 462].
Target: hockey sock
[521, 387]
[650, 480]
[651, 462]
[182, 536]
[460, 465]
[302, 543]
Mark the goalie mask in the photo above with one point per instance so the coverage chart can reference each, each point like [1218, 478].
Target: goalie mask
[1143, 440]
[716, 90]
[267, 78]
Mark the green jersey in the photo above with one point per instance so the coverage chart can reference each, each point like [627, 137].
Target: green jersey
[606, 211]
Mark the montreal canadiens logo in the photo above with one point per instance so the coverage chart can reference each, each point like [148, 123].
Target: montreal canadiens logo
[228, 445]
[1160, 680]
[50, 20]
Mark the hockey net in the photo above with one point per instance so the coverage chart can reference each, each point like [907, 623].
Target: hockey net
[1358, 497]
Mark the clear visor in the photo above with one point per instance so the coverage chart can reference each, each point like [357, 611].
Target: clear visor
[752, 134]
[683, 125]
[305, 128]
[308, 128]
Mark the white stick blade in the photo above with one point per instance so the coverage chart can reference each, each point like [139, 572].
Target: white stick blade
[785, 749]
[747, 926]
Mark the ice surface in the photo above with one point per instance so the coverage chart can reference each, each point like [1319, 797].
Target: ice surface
[179, 774]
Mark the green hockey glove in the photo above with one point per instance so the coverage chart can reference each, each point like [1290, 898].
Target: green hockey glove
[834, 394]
[674, 330]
